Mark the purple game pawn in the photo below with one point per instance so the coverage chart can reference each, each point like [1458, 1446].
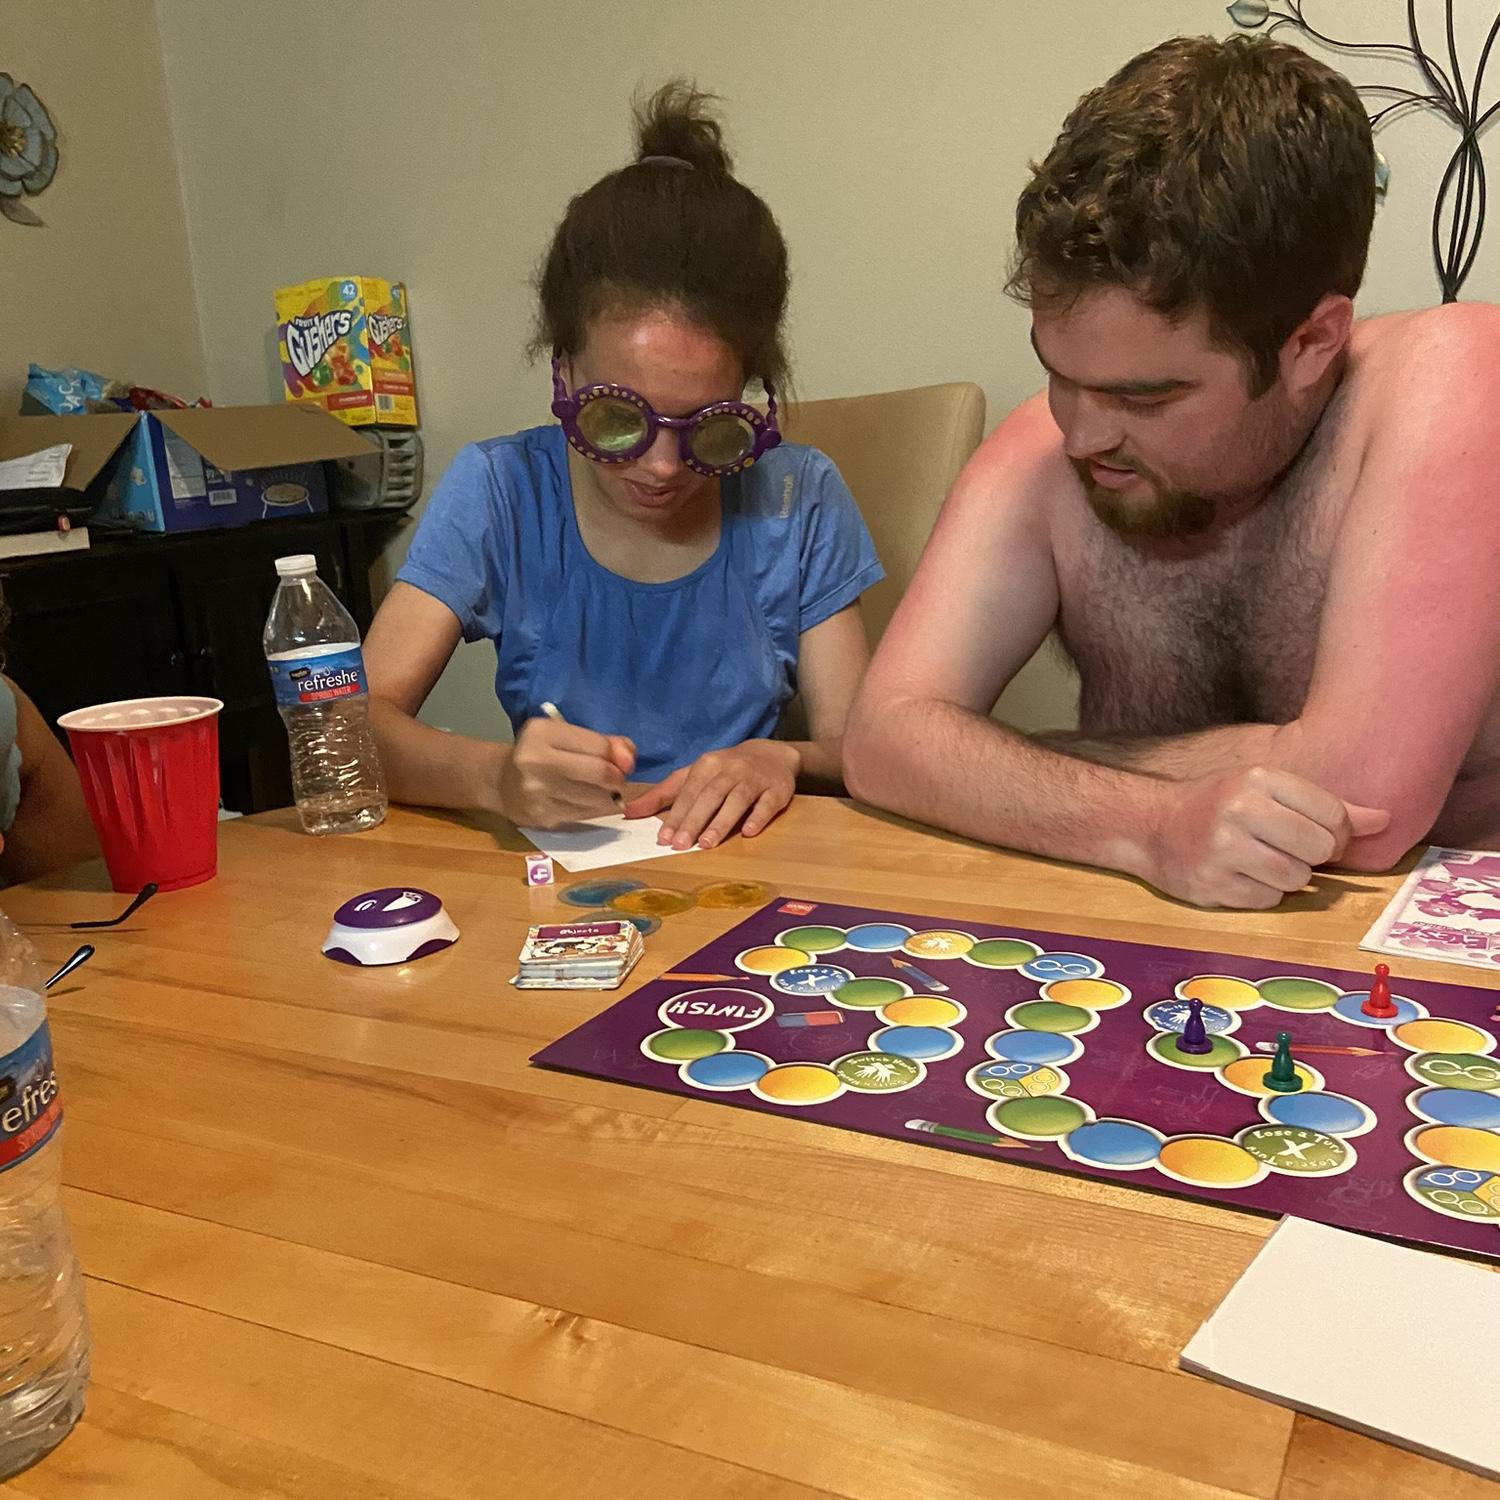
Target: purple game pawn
[1194, 1039]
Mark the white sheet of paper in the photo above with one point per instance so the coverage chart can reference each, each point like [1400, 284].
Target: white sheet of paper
[601, 842]
[1393, 1342]
[42, 470]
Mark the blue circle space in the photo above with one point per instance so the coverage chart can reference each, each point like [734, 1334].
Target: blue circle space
[1330, 1113]
[876, 937]
[1113, 1143]
[1461, 1107]
[1348, 1006]
[1033, 1046]
[726, 1070]
[918, 1042]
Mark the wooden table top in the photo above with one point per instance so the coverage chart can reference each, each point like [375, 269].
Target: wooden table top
[342, 1241]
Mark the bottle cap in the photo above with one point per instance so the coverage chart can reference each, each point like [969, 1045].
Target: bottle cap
[296, 565]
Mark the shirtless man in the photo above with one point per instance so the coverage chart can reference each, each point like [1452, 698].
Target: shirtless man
[1268, 536]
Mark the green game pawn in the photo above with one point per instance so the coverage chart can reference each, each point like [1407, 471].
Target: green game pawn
[1283, 1076]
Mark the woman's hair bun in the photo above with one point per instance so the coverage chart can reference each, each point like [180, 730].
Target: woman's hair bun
[678, 120]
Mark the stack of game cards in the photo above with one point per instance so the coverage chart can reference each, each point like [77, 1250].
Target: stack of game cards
[579, 956]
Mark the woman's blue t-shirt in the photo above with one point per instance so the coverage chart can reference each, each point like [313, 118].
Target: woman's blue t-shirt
[697, 664]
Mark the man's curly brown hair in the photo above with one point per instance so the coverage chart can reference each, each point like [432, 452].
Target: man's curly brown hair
[1235, 176]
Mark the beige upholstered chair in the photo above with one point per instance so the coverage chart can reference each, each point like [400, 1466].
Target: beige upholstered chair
[899, 452]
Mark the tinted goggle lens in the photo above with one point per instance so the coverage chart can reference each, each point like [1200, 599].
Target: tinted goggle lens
[612, 426]
[721, 440]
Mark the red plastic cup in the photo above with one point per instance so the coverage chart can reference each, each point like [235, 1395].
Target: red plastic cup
[150, 773]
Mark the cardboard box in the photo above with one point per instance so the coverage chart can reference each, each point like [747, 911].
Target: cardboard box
[203, 467]
[345, 346]
[94, 446]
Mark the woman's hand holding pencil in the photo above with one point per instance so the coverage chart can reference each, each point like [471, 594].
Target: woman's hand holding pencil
[561, 773]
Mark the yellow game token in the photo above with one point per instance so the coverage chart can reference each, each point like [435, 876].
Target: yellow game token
[721, 895]
[654, 902]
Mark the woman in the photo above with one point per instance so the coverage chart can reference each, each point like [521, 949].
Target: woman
[44, 825]
[660, 573]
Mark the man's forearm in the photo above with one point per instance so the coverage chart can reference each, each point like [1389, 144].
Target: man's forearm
[429, 767]
[1178, 757]
[959, 770]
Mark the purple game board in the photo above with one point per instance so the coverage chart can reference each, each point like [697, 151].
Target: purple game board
[1063, 1052]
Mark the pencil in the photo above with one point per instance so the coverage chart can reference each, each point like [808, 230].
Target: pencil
[920, 976]
[555, 714]
[1331, 1051]
[975, 1136]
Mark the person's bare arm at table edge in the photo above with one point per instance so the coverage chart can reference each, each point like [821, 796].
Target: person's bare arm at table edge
[920, 740]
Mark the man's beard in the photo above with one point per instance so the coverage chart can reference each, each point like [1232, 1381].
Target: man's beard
[1167, 514]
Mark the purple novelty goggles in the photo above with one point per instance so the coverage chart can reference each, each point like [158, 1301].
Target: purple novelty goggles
[611, 424]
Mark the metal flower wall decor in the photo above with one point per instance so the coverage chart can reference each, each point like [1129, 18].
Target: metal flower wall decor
[1458, 213]
[28, 150]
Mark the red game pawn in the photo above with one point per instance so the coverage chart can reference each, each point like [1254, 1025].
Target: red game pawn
[1380, 1006]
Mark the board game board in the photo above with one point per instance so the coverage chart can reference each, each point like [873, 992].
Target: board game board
[1062, 1052]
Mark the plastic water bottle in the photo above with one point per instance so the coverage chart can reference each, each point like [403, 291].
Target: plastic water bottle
[44, 1332]
[318, 669]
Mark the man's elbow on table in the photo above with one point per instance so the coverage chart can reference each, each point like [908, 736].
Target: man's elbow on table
[871, 769]
[1409, 795]
[1412, 814]
[861, 758]
[1373, 855]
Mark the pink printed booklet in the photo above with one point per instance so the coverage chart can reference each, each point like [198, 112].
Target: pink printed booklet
[1447, 909]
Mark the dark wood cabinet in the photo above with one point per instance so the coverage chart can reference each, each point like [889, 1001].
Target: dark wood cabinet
[181, 614]
[82, 625]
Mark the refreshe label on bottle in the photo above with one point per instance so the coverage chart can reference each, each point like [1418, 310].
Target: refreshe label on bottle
[313, 677]
[30, 1109]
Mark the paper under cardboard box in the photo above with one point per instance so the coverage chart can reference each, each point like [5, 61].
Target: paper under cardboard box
[211, 466]
[93, 444]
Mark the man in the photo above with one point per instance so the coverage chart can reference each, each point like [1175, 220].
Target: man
[1268, 536]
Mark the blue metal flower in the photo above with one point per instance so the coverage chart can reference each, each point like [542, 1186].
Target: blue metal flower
[1249, 13]
[28, 149]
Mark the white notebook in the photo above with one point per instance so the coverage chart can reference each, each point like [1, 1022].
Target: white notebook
[1397, 1343]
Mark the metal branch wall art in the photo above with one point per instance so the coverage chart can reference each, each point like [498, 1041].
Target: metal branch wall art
[1458, 212]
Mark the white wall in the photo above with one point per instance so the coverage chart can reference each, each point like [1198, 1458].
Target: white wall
[439, 143]
[1416, 144]
[105, 282]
